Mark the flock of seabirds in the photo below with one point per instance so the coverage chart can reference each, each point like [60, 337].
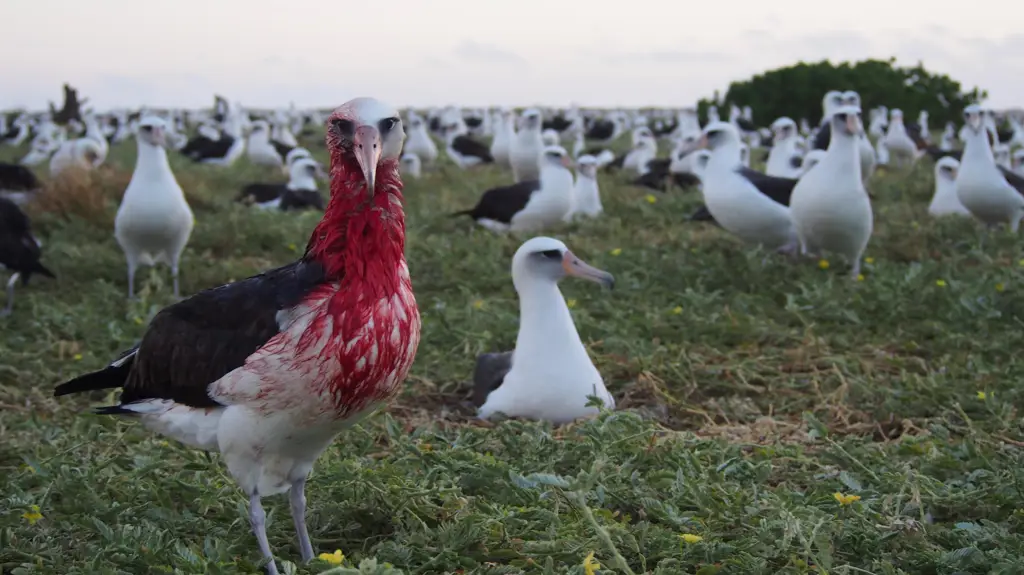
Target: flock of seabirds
[268, 370]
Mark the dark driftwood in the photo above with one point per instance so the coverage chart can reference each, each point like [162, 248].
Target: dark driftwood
[72, 109]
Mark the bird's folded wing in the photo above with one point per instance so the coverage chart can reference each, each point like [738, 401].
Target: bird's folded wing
[193, 343]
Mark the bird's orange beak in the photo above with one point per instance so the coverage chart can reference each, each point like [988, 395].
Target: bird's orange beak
[574, 266]
[367, 150]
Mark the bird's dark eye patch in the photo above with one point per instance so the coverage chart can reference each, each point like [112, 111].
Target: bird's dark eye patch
[841, 117]
[147, 128]
[553, 154]
[551, 254]
[344, 128]
[386, 125]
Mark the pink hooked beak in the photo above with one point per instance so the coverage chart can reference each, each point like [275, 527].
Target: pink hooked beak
[159, 138]
[852, 124]
[367, 148]
[574, 266]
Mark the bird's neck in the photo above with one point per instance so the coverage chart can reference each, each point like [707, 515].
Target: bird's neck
[544, 320]
[152, 158]
[361, 238]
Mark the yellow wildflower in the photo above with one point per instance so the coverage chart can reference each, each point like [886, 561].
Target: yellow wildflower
[571, 303]
[823, 264]
[333, 558]
[650, 198]
[137, 320]
[677, 310]
[78, 357]
[869, 260]
[292, 247]
[691, 538]
[845, 499]
[28, 468]
[982, 395]
[478, 304]
[940, 283]
[616, 251]
[1020, 263]
[590, 565]
[860, 277]
[1000, 287]
[32, 515]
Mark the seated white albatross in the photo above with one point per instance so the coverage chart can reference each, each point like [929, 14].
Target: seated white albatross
[549, 374]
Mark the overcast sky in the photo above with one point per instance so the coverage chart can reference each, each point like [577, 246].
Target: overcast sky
[432, 52]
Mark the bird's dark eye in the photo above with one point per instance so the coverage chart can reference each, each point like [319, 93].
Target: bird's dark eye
[344, 128]
[553, 155]
[841, 117]
[551, 254]
[147, 128]
[386, 125]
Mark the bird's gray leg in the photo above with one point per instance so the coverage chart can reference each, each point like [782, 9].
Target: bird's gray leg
[132, 267]
[10, 295]
[855, 270]
[297, 499]
[174, 276]
[258, 520]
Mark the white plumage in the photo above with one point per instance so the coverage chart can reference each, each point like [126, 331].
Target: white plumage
[586, 195]
[830, 207]
[551, 373]
[260, 151]
[419, 141]
[526, 147]
[980, 185]
[81, 153]
[945, 201]
[410, 165]
[504, 131]
[736, 204]
[154, 222]
[901, 148]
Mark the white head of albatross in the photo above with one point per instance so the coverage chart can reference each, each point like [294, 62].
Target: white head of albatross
[832, 100]
[551, 373]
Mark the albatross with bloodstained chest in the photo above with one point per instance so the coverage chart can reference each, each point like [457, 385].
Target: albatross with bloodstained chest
[267, 371]
[549, 374]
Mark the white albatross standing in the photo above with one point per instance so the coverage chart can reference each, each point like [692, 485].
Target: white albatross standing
[902, 150]
[526, 147]
[419, 141]
[586, 195]
[739, 206]
[981, 187]
[550, 374]
[945, 202]
[154, 222]
[830, 207]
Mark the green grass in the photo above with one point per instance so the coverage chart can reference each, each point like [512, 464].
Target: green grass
[749, 394]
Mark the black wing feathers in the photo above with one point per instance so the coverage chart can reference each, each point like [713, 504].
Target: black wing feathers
[469, 147]
[19, 251]
[776, 188]
[489, 373]
[500, 204]
[193, 343]
[823, 137]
